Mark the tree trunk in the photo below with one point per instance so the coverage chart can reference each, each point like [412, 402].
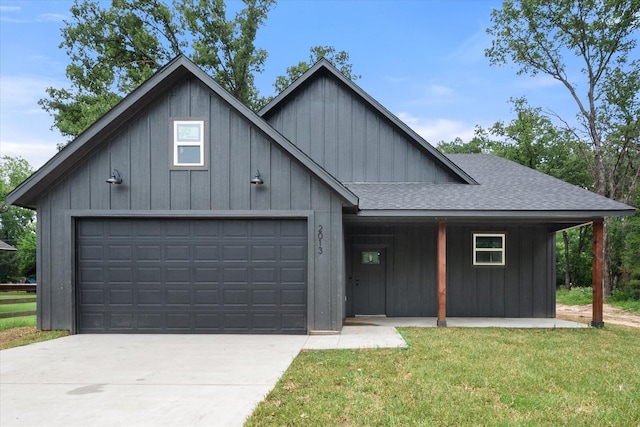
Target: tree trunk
[567, 276]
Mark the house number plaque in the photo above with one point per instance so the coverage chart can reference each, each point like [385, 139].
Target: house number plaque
[320, 236]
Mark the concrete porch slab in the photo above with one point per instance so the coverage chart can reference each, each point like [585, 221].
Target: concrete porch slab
[464, 322]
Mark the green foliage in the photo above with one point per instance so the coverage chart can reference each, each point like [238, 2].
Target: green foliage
[14, 221]
[26, 254]
[224, 47]
[113, 49]
[339, 59]
[575, 296]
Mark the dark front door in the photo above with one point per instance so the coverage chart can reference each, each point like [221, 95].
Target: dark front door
[368, 281]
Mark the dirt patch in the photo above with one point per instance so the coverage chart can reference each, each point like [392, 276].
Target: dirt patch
[15, 337]
[583, 313]
[9, 336]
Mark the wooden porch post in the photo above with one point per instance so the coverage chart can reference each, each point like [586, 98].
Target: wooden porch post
[596, 273]
[442, 274]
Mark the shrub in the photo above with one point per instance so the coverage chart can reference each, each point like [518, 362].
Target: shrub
[575, 296]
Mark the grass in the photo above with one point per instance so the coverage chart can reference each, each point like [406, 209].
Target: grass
[24, 306]
[16, 295]
[581, 296]
[479, 377]
[628, 305]
[17, 322]
[574, 296]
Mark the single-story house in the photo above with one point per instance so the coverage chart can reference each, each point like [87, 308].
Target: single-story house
[183, 211]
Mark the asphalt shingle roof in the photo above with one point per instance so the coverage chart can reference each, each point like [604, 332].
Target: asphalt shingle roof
[503, 185]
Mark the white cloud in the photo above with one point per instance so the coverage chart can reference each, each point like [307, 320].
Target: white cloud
[36, 152]
[25, 129]
[9, 8]
[20, 92]
[436, 89]
[52, 17]
[440, 129]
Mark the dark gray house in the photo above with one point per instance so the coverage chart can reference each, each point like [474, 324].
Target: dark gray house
[214, 219]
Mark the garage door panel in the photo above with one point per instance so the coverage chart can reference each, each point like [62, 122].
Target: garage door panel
[265, 298]
[206, 297]
[293, 253]
[191, 276]
[293, 297]
[206, 253]
[235, 297]
[178, 297]
[121, 297]
[149, 253]
[205, 275]
[149, 297]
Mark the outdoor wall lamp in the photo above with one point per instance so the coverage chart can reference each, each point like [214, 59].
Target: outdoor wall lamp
[115, 177]
[256, 179]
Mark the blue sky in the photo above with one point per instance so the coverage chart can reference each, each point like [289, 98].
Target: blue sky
[422, 60]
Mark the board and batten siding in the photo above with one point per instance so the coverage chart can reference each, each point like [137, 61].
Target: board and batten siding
[351, 140]
[524, 287]
[140, 151]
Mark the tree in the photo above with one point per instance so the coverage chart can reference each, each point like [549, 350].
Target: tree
[14, 221]
[114, 49]
[600, 37]
[339, 59]
[26, 254]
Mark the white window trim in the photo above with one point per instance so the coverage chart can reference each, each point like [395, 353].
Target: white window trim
[503, 236]
[195, 143]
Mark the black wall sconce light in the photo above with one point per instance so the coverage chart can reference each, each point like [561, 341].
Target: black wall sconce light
[256, 179]
[115, 177]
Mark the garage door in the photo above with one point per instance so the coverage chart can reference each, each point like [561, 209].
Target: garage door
[191, 276]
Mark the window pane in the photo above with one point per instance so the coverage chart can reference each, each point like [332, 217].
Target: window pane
[489, 257]
[487, 242]
[371, 257]
[188, 132]
[189, 155]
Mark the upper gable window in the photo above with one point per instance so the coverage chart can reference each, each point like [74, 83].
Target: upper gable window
[488, 248]
[189, 143]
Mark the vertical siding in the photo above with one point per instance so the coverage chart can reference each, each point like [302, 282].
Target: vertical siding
[140, 150]
[523, 288]
[351, 140]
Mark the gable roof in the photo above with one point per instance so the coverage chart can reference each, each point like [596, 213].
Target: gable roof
[324, 67]
[506, 190]
[26, 193]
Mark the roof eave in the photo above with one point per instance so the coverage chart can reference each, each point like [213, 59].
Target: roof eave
[553, 215]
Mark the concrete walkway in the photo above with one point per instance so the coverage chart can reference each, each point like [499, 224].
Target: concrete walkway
[176, 380]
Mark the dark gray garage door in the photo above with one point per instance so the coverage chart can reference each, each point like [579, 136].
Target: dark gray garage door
[191, 276]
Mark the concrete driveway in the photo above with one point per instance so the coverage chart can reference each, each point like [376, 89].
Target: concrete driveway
[138, 380]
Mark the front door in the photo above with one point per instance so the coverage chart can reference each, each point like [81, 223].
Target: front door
[368, 281]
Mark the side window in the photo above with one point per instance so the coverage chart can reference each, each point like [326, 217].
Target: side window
[488, 248]
[188, 144]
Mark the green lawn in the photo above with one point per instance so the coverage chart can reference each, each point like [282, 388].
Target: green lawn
[11, 308]
[17, 322]
[466, 377]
